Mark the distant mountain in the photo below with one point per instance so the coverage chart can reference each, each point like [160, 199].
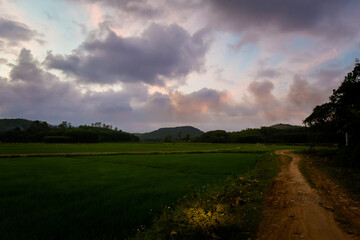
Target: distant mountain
[9, 124]
[284, 126]
[175, 133]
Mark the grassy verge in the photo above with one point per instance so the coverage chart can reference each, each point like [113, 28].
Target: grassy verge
[331, 163]
[319, 164]
[307, 173]
[230, 211]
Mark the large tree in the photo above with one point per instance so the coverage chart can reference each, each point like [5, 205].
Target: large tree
[342, 113]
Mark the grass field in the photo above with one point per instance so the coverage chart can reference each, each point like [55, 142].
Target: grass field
[38, 148]
[72, 195]
[232, 210]
[101, 197]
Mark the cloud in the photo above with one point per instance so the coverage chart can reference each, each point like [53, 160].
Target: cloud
[268, 73]
[268, 107]
[15, 31]
[180, 108]
[140, 8]
[202, 101]
[148, 9]
[82, 27]
[330, 77]
[27, 69]
[34, 93]
[135, 47]
[205, 108]
[303, 95]
[262, 91]
[315, 17]
[247, 38]
[161, 52]
[3, 61]
[156, 110]
[294, 105]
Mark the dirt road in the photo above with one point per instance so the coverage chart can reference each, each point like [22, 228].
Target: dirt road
[294, 210]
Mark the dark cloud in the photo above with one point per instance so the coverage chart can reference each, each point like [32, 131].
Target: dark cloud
[180, 108]
[294, 105]
[262, 91]
[15, 31]
[303, 95]
[109, 103]
[157, 109]
[316, 17]
[268, 73]
[202, 101]
[268, 107]
[206, 108]
[331, 76]
[69, 64]
[34, 93]
[264, 70]
[160, 52]
[27, 69]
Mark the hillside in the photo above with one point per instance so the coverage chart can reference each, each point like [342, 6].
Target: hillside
[284, 126]
[279, 133]
[9, 124]
[175, 133]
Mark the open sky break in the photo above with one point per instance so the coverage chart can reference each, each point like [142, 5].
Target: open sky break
[140, 64]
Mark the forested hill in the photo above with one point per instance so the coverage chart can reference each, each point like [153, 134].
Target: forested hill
[171, 134]
[279, 133]
[10, 124]
[285, 126]
[20, 130]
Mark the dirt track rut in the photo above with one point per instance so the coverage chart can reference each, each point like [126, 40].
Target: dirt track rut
[294, 211]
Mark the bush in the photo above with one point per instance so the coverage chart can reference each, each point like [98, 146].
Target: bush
[57, 139]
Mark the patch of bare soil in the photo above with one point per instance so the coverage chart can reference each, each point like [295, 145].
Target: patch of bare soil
[294, 210]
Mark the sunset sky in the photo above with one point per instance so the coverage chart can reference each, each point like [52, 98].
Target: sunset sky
[140, 64]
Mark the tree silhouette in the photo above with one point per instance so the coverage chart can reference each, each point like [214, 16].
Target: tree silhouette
[342, 113]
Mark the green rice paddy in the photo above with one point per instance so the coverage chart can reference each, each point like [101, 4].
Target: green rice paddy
[106, 197]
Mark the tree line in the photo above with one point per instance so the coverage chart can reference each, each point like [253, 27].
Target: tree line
[340, 116]
[65, 133]
[299, 134]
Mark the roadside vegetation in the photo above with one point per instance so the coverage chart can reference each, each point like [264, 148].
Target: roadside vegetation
[229, 211]
[340, 117]
[338, 186]
[332, 164]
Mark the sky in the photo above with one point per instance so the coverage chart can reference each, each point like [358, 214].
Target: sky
[140, 65]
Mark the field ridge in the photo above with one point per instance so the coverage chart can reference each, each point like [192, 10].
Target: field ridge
[83, 154]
